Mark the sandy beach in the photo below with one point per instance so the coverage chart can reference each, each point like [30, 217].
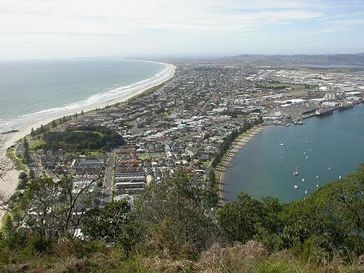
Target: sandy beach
[238, 144]
[9, 184]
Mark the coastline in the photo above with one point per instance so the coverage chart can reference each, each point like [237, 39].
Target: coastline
[10, 182]
[230, 154]
[236, 146]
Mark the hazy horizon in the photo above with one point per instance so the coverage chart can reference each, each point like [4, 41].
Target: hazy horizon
[63, 29]
[158, 58]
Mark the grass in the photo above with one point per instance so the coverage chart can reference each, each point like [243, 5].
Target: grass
[3, 218]
[205, 164]
[75, 256]
[295, 265]
[148, 156]
[95, 154]
[35, 144]
[295, 90]
[18, 163]
[297, 93]
[277, 266]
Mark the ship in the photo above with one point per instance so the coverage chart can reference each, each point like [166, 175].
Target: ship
[323, 112]
[345, 106]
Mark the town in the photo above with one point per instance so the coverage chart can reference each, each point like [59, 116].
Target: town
[183, 124]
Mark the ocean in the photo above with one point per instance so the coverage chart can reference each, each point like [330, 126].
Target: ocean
[36, 89]
[321, 150]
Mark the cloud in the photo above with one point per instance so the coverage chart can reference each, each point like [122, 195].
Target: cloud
[118, 17]
[340, 25]
[63, 28]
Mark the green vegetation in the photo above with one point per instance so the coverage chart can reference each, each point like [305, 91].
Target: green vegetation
[35, 144]
[276, 85]
[48, 127]
[147, 156]
[206, 164]
[229, 140]
[174, 226]
[26, 155]
[18, 162]
[85, 138]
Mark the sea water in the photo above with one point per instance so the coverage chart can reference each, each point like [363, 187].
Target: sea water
[321, 150]
[36, 88]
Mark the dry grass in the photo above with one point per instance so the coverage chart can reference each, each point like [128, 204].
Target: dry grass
[251, 257]
[238, 258]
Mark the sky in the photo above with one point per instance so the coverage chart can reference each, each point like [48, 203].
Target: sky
[43, 29]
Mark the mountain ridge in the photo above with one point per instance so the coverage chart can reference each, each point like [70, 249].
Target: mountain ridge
[300, 59]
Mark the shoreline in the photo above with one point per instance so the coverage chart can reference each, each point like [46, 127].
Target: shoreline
[9, 184]
[130, 92]
[238, 144]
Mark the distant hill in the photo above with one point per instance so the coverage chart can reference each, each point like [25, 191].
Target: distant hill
[301, 60]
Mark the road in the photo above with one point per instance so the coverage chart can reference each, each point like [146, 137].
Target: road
[109, 172]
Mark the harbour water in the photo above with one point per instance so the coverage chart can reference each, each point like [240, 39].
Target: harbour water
[321, 150]
[37, 89]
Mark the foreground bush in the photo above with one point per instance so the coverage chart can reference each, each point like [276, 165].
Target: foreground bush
[172, 228]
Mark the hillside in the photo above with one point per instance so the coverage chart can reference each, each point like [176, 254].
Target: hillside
[176, 227]
[341, 60]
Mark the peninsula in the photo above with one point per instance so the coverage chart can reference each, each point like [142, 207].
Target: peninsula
[183, 123]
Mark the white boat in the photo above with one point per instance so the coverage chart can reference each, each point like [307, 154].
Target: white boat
[295, 173]
[305, 191]
[303, 180]
[296, 187]
[282, 144]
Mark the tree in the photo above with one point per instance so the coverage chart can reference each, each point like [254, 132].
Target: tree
[26, 150]
[23, 181]
[174, 217]
[84, 138]
[106, 223]
[55, 209]
[333, 217]
[238, 220]
[42, 129]
[113, 224]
